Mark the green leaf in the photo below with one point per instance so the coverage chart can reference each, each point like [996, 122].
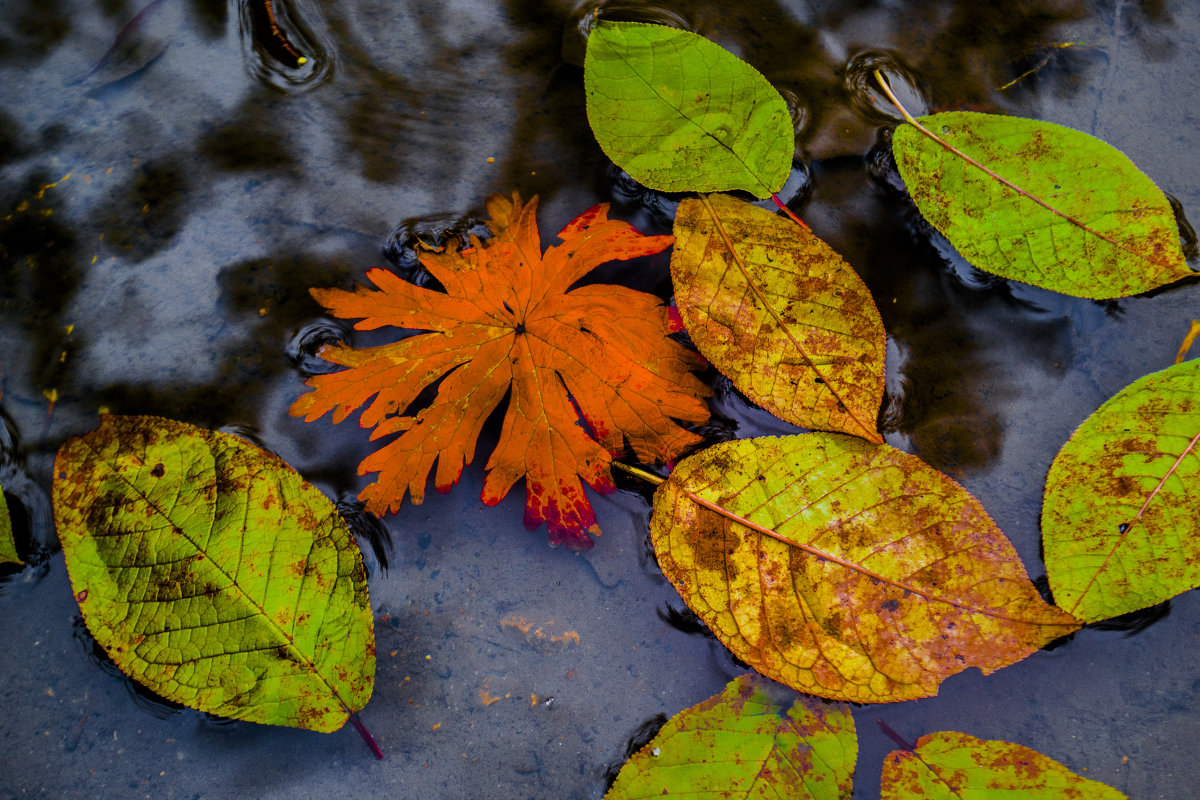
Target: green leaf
[779, 312]
[951, 766]
[679, 113]
[1121, 514]
[213, 574]
[746, 742]
[1041, 203]
[845, 569]
[8, 548]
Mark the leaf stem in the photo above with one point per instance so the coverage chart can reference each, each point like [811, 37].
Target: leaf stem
[1193, 332]
[895, 737]
[788, 211]
[638, 472]
[366, 735]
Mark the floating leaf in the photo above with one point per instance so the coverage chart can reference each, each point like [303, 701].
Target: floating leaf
[779, 312]
[213, 574]
[753, 740]
[680, 113]
[8, 548]
[950, 766]
[845, 569]
[589, 369]
[1121, 515]
[1041, 203]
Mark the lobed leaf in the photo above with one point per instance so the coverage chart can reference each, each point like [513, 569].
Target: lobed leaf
[1121, 513]
[753, 740]
[950, 766]
[213, 574]
[587, 371]
[779, 312]
[845, 569]
[1041, 203]
[680, 113]
[8, 548]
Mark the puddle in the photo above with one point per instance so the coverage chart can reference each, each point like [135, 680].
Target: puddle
[171, 188]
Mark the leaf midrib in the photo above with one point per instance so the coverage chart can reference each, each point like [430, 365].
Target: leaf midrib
[232, 581]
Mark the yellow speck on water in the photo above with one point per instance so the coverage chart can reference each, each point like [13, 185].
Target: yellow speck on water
[490, 160]
[301, 60]
[435, 727]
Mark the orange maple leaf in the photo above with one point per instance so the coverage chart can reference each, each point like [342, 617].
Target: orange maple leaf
[585, 371]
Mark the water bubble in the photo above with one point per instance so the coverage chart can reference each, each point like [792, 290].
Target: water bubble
[305, 346]
[368, 528]
[285, 44]
[869, 100]
[628, 193]
[433, 233]
[579, 25]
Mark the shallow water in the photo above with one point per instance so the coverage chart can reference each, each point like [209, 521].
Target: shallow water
[164, 209]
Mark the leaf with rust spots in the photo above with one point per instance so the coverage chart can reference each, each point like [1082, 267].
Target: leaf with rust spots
[680, 113]
[845, 569]
[586, 371]
[755, 739]
[779, 312]
[8, 548]
[950, 766]
[183, 545]
[1121, 514]
[1041, 203]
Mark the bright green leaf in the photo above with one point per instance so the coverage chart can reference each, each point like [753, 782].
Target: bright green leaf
[845, 569]
[1121, 515]
[1042, 204]
[755, 739]
[8, 548]
[680, 113]
[213, 574]
[778, 311]
[954, 766]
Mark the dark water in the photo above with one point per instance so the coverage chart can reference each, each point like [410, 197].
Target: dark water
[169, 192]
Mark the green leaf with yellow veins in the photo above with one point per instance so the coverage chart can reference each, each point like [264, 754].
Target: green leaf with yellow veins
[213, 574]
[680, 113]
[1121, 513]
[8, 548]
[952, 766]
[755, 739]
[845, 569]
[1040, 203]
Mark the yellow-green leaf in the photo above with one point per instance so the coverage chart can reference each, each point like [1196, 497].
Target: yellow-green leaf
[680, 113]
[952, 766]
[779, 312]
[8, 548]
[845, 569]
[213, 574]
[755, 739]
[1040, 203]
[1121, 514]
